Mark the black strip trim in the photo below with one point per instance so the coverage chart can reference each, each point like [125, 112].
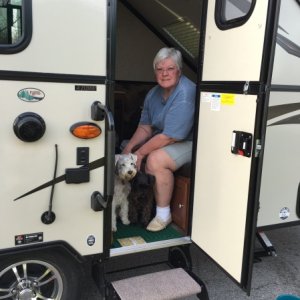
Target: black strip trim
[110, 87]
[236, 87]
[91, 166]
[53, 246]
[111, 39]
[298, 202]
[51, 77]
[203, 19]
[150, 83]
[27, 34]
[259, 133]
[277, 226]
[284, 88]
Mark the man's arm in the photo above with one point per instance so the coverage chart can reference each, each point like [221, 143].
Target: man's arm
[141, 135]
[156, 142]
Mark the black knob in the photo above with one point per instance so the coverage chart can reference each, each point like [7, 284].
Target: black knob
[29, 127]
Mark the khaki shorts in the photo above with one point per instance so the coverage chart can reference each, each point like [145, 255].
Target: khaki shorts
[180, 152]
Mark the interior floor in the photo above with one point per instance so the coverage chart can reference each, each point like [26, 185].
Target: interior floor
[134, 234]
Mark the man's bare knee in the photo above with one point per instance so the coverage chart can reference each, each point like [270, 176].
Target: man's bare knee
[159, 160]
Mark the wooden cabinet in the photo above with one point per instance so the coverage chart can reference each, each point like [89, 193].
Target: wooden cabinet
[180, 202]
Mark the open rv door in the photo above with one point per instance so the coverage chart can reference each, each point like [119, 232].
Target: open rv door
[229, 129]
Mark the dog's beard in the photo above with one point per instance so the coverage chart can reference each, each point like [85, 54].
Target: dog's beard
[126, 176]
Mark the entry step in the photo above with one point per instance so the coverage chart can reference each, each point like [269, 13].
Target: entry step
[163, 285]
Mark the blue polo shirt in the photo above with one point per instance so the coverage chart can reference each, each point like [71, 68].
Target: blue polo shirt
[173, 117]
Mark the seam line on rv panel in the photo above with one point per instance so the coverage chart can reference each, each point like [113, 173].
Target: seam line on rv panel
[51, 77]
[284, 88]
[91, 166]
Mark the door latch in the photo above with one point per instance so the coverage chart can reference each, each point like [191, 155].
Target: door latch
[241, 143]
[98, 202]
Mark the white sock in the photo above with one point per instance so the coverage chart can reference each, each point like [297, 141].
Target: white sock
[163, 212]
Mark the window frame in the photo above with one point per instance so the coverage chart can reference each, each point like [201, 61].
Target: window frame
[232, 23]
[26, 34]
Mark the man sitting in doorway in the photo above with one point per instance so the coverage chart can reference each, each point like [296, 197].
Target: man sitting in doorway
[164, 133]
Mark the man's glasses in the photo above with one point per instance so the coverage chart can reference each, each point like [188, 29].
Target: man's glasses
[167, 70]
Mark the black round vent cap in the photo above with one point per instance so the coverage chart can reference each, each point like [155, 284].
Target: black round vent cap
[29, 127]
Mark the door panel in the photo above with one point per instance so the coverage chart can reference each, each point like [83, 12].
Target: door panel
[222, 182]
[222, 178]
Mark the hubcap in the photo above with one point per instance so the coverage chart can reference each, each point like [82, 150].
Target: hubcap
[30, 280]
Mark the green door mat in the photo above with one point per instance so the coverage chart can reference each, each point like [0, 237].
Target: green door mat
[135, 234]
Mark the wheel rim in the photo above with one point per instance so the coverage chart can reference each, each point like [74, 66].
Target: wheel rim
[31, 280]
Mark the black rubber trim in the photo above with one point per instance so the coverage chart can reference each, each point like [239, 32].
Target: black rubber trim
[284, 88]
[229, 24]
[51, 77]
[298, 202]
[54, 245]
[277, 226]
[236, 87]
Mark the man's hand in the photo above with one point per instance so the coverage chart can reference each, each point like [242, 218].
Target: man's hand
[140, 158]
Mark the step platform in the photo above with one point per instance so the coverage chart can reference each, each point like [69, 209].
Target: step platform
[162, 285]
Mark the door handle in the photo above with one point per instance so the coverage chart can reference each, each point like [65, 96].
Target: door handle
[99, 112]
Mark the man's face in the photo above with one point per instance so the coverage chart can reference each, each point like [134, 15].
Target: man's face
[167, 74]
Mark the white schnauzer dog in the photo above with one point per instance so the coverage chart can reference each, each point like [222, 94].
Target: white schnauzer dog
[125, 170]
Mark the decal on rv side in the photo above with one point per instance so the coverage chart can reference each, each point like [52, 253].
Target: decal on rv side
[282, 114]
[284, 213]
[91, 240]
[31, 95]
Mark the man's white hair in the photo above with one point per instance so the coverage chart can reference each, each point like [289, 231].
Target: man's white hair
[172, 53]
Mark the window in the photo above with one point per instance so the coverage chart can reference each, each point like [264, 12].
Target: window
[15, 25]
[233, 13]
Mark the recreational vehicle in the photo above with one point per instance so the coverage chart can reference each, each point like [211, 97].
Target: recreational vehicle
[73, 78]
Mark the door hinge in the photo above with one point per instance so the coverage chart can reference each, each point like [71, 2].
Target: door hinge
[246, 88]
[257, 148]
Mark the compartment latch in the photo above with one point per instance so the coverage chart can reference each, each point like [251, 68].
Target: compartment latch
[241, 143]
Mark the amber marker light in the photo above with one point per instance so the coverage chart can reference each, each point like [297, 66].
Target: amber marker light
[85, 130]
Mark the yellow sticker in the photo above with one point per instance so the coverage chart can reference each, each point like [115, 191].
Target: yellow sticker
[227, 99]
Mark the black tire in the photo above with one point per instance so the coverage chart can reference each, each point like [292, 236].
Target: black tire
[179, 257]
[39, 275]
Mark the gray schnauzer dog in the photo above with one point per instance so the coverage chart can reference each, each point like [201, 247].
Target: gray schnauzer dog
[125, 170]
[141, 199]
